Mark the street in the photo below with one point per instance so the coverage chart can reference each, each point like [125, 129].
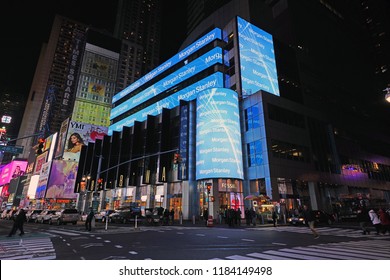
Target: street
[191, 242]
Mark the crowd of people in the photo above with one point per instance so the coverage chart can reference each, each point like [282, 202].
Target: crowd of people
[380, 220]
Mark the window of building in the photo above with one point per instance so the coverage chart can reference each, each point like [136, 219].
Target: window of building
[252, 117]
[255, 153]
[289, 151]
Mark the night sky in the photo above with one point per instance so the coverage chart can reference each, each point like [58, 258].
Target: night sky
[26, 24]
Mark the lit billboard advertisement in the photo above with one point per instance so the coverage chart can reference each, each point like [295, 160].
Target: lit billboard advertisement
[203, 41]
[257, 56]
[186, 94]
[42, 181]
[62, 138]
[62, 179]
[80, 134]
[198, 65]
[218, 135]
[12, 170]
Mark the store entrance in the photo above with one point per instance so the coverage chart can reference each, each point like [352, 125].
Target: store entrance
[175, 203]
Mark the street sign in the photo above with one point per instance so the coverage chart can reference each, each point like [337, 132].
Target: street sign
[12, 149]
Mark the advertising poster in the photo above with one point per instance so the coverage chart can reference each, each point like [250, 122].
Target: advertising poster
[62, 179]
[62, 138]
[43, 178]
[80, 134]
[95, 88]
[12, 170]
[41, 159]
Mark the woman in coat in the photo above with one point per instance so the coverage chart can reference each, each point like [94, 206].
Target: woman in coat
[375, 220]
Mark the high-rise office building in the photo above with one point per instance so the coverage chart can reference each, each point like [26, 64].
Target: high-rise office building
[96, 80]
[54, 85]
[75, 78]
[138, 26]
[250, 113]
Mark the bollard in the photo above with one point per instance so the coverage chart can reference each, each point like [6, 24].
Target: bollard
[210, 221]
[193, 219]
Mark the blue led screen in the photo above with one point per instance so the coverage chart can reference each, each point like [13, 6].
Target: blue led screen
[198, 65]
[203, 41]
[258, 66]
[189, 93]
[218, 135]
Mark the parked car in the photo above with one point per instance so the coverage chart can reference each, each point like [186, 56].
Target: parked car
[102, 215]
[125, 215]
[31, 215]
[64, 216]
[45, 216]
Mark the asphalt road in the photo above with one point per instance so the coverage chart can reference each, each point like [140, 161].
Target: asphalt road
[190, 242]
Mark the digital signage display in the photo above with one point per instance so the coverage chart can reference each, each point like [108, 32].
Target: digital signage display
[257, 56]
[12, 170]
[80, 134]
[62, 179]
[218, 135]
[203, 62]
[186, 94]
[203, 41]
[42, 181]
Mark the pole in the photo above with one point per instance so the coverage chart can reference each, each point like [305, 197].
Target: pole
[106, 221]
[97, 177]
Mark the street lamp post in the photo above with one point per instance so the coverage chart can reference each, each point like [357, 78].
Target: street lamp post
[86, 179]
[95, 190]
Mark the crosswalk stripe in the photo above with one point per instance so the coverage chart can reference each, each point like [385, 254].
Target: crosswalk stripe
[316, 253]
[296, 255]
[64, 232]
[354, 233]
[238, 257]
[34, 248]
[350, 250]
[267, 257]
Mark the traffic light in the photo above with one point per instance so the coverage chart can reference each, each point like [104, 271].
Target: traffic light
[176, 158]
[100, 184]
[208, 185]
[39, 150]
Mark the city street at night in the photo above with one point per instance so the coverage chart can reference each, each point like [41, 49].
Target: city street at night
[192, 242]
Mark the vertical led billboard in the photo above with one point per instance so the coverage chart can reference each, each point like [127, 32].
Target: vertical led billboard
[257, 57]
[218, 135]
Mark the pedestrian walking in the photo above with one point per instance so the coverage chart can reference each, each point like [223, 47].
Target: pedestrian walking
[172, 216]
[375, 220]
[274, 217]
[239, 216]
[385, 221]
[205, 215]
[88, 221]
[18, 223]
[253, 216]
[310, 220]
[363, 219]
[247, 216]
